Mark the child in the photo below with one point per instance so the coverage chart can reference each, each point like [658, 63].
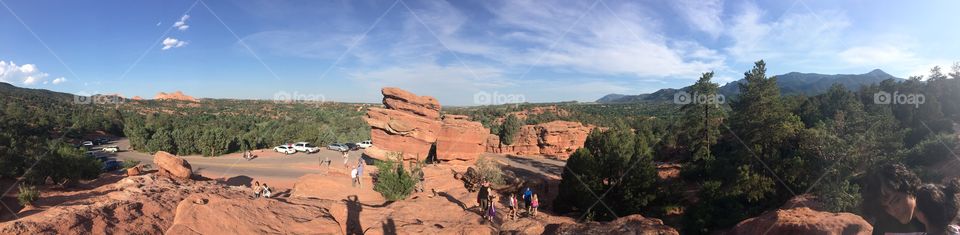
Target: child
[536, 203]
[513, 207]
[492, 210]
[353, 177]
[266, 191]
[256, 189]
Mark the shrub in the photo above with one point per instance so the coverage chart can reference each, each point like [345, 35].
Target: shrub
[28, 194]
[393, 181]
[129, 164]
[489, 170]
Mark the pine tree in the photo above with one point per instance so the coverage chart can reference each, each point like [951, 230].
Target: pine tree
[702, 121]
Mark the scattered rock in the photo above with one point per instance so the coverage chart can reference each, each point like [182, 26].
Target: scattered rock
[803, 220]
[135, 170]
[171, 165]
[632, 224]
[556, 139]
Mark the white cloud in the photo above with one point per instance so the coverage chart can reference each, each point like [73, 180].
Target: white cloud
[59, 80]
[182, 24]
[702, 15]
[170, 43]
[798, 34]
[27, 74]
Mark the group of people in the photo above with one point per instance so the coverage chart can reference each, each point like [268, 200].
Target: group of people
[897, 202]
[261, 190]
[487, 202]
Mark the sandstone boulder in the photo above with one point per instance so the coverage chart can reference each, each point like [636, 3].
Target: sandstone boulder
[633, 224]
[803, 220]
[411, 125]
[461, 139]
[178, 95]
[214, 214]
[171, 165]
[556, 139]
[401, 100]
[134, 171]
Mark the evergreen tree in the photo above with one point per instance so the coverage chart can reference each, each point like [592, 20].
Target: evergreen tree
[509, 129]
[701, 122]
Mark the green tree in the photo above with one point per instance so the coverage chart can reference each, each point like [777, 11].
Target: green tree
[701, 123]
[616, 161]
[509, 129]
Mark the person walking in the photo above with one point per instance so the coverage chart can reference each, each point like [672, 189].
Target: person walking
[360, 172]
[512, 206]
[492, 207]
[422, 180]
[346, 158]
[482, 196]
[353, 177]
[536, 204]
[527, 199]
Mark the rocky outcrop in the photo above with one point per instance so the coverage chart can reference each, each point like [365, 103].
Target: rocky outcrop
[215, 214]
[401, 100]
[172, 166]
[803, 220]
[556, 139]
[633, 224]
[411, 125]
[178, 95]
[461, 139]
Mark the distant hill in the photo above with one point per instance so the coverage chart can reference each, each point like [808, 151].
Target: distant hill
[790, 84]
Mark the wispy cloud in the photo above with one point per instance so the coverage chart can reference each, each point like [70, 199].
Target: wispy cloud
[796, 34]
[705, 15]
[182, 23]
[170, 43]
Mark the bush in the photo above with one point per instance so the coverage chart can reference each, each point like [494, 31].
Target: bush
[489, 170]
[393, 181]
[28, 194]
[129, 164]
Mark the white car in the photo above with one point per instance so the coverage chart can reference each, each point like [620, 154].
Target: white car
[305, 147]
[111, 149]
[285, 149]
[365, 144]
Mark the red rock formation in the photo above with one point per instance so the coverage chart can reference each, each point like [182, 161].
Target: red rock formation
[171, 165]
[411, 124]
[215, 214]
[178, 95]
[461, 139]
[632, 224]
[803, 220]
[137, 98]
[397, 99]
[556, 139]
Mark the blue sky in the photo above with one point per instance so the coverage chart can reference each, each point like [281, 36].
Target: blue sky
[536, 51]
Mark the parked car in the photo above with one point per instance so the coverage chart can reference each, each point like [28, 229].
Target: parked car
[285, 149]
[353, 146]
[338, 147]
[365, 144]
[87, 143]
[305, 147]
[100, 141]
[111, 165]
[111, 149]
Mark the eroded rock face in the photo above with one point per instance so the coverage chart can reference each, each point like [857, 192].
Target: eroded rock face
[171, 165]
[461, 139]
[411, 124]
[633, 224]
[556, 139]
[401, 100]
[215, 214]
[803, 220]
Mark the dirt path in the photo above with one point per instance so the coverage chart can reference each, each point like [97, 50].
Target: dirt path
[278, 169]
